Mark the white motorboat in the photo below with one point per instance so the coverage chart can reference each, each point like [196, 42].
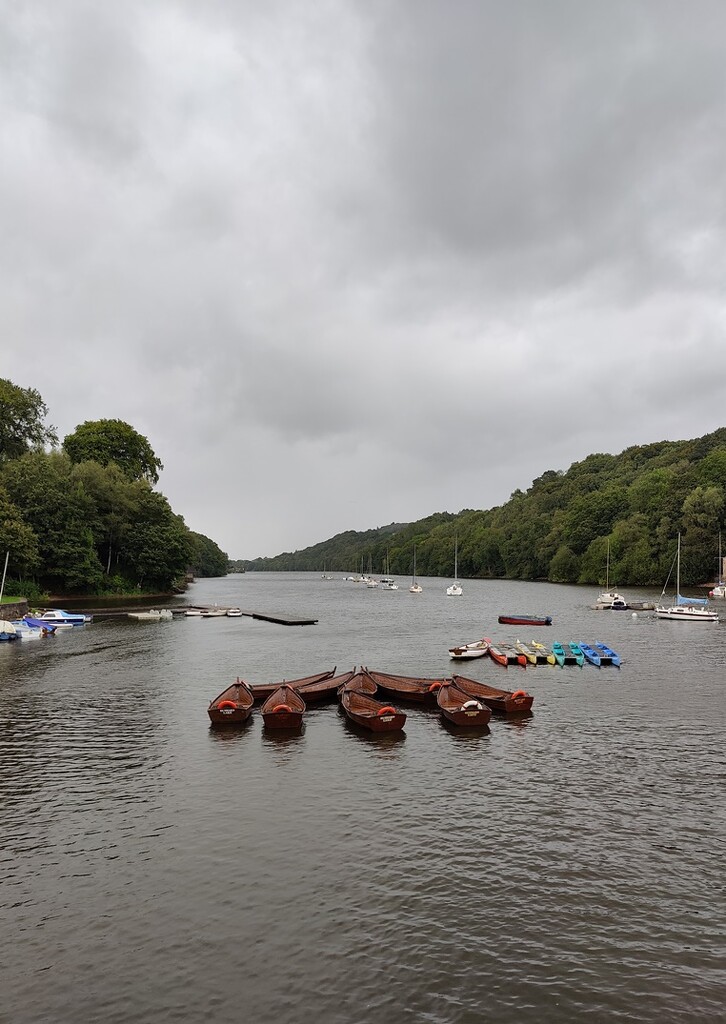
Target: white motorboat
[234, 613]
[388, 584]
[64, 618]
[26, 632]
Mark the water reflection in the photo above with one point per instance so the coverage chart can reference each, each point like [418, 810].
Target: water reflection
[463, 732]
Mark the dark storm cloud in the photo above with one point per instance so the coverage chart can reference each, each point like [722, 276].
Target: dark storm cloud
[346, 264]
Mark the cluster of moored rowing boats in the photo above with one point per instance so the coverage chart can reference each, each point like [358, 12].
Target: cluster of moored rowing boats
[461, 701]
[535, 653]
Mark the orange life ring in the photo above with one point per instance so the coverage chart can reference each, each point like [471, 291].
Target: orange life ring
[226, 704]
[519, 693]
[281, 707]
[388, 710]
[434, 687]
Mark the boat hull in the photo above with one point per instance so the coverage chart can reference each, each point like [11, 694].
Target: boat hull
[462, 709]
[506, 702]
[283, 709]
[233, 706]
[525, 620]
[415, 689]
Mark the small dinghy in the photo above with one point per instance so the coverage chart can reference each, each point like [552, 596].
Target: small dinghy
[283, 709]
[368, 712]
[460, 708]
[324, 689]
[262, 691]
[476, 649]
[417, 689]
[233, 706]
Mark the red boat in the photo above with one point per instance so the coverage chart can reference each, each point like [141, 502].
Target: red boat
[418, 689]
[526, 620]
[369, 713]
[283, 709]
[508, 702]
[361, 681]
[505, 654]
[460, 708]
[233, 706]
[262, 691]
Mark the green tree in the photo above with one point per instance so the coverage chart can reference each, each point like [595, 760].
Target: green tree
[208, 559]
[106, 441]
[159, 547]
[17, 538]
[22, 412]
[59, 512]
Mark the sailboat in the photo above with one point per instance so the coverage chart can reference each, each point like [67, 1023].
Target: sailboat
[720, 589]
[455, 589]
[610, 598]
[387, 581]
[415, 587]
[686, 609]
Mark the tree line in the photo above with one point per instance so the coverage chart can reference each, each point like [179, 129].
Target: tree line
[83, 516]
[560, 528]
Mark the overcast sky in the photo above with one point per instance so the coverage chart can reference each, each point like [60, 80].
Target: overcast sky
[348, 263]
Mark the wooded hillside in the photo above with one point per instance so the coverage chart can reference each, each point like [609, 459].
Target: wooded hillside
[558, 529]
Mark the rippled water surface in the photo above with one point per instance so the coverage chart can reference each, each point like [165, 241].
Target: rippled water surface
[565, 867]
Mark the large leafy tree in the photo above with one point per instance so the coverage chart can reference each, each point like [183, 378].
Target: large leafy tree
[106, 441]
[17, 538]
[61, 514]
[22, 412]
[159, 547]
[208, 559]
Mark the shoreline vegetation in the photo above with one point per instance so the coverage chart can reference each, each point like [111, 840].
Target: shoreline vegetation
[83, 518]
[559, 530]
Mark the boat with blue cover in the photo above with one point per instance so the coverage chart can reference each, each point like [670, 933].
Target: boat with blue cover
[64, 618]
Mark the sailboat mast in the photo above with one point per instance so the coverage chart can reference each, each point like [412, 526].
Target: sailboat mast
[678, 568]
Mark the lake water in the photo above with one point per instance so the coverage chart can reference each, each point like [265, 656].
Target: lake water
[567, 867]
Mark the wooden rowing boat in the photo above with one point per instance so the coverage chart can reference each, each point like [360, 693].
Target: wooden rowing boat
[525, 620]
[506, 702]
[417, 689]
[262, 691]
[323, 689]
[370, 713]
[460, 708]
[360, 681]
[476, 649]
[283, 709]
[233, 706]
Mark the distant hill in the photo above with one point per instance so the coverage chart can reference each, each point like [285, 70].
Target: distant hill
[559, 528]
